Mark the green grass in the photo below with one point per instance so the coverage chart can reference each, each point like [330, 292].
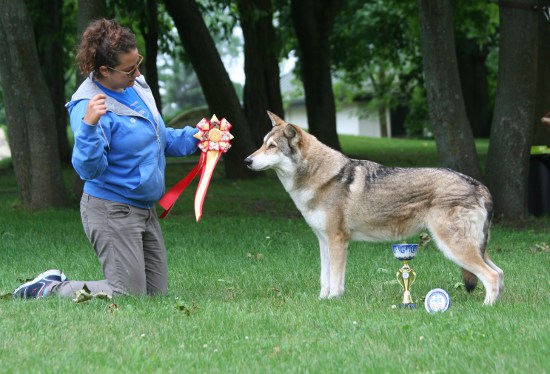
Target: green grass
[401, 152]
[243, 287]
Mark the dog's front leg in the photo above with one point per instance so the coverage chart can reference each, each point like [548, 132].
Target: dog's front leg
[325, 266]
[337, 250]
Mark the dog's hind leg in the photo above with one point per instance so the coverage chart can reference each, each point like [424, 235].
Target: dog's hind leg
[325, 266]
[467, 256]
[461, 240]
[499, 271]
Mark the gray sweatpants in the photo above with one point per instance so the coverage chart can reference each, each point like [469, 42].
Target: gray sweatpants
[129, 244]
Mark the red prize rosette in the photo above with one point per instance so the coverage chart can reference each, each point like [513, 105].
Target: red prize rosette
[214, 140]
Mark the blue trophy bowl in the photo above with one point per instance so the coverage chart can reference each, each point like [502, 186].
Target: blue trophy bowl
[404, 252]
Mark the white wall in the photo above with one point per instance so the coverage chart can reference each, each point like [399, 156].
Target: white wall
[4, 147]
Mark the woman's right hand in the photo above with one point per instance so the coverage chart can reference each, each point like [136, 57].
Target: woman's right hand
[96, 108]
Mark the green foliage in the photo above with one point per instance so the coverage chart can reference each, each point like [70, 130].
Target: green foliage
[477, 20]
[220, 17]
[179, 86]
[243, 287]
[376, 51]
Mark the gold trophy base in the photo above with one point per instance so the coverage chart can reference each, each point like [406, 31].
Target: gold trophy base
[407, 301]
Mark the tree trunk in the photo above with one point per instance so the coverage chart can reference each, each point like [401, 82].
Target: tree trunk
[217, 87]
[88, 10]
[541, 135]
[475, 88]
[313, 21]
[383, 119]
[452, 131]
[382, 88]
[49, 42]
[150, 31]
[29, 112]
[512, 128]
[262, 89]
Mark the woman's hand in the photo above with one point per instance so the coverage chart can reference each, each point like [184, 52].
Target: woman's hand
[96, 108]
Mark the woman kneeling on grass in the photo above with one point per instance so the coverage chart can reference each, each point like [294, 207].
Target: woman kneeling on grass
[120, 147]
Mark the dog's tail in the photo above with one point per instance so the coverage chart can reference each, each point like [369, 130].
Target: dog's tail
[470, 279]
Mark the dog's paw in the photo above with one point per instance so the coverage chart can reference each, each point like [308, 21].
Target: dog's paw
[336, 293]
[324, 294]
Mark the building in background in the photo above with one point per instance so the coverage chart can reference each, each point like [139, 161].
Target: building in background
[354, 118]
[4, 147]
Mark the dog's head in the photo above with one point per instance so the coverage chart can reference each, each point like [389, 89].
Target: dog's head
[280, 149]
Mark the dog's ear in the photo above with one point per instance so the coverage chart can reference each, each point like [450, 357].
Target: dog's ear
[275, 120]
[293, 133]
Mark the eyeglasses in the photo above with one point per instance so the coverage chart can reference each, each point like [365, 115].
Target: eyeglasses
[130, 73]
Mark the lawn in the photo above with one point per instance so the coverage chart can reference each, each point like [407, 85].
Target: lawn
[243, 286]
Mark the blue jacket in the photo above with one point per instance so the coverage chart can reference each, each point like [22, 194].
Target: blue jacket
[122, 158]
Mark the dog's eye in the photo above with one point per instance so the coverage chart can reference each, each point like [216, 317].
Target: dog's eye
[271, 146]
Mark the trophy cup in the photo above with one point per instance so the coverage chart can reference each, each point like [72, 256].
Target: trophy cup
[405, 276]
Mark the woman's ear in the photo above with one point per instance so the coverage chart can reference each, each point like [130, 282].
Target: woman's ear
[103, 72]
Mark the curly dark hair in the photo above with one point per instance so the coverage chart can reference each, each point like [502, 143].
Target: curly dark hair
[100, 45]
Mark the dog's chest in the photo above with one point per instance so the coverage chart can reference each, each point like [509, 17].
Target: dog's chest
[315, 217]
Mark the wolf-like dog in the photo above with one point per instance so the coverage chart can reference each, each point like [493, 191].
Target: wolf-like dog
[344, 199]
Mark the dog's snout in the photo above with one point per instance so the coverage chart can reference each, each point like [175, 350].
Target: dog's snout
[248, 162]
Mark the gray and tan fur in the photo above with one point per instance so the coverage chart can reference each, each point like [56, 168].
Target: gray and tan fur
[343, 199]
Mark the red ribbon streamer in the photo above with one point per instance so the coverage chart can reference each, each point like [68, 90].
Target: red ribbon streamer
[170, 197]
[214, 139]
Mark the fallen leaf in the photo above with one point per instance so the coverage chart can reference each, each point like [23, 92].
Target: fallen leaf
[254, 256]
[102, 296]
[231, 293]
[541, 247]
[113, 307]
[186, 310]
[280, 295]
[424, 239]
[85, 295]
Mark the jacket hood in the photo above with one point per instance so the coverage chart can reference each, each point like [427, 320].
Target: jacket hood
[89, 89]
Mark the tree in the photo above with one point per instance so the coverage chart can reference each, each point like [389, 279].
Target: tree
[216, 85]
[385, 66]
[142, 17]
[514, 114]
[149, 27]
[88, 10]
[182, 90]
[29, 111]
[262, 88]
[541, 135]
[49, 42]
[452, 131]
[476, 37]
[474, 85]
[313, 21]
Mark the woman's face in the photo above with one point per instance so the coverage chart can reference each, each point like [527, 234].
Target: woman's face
[124, 75]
